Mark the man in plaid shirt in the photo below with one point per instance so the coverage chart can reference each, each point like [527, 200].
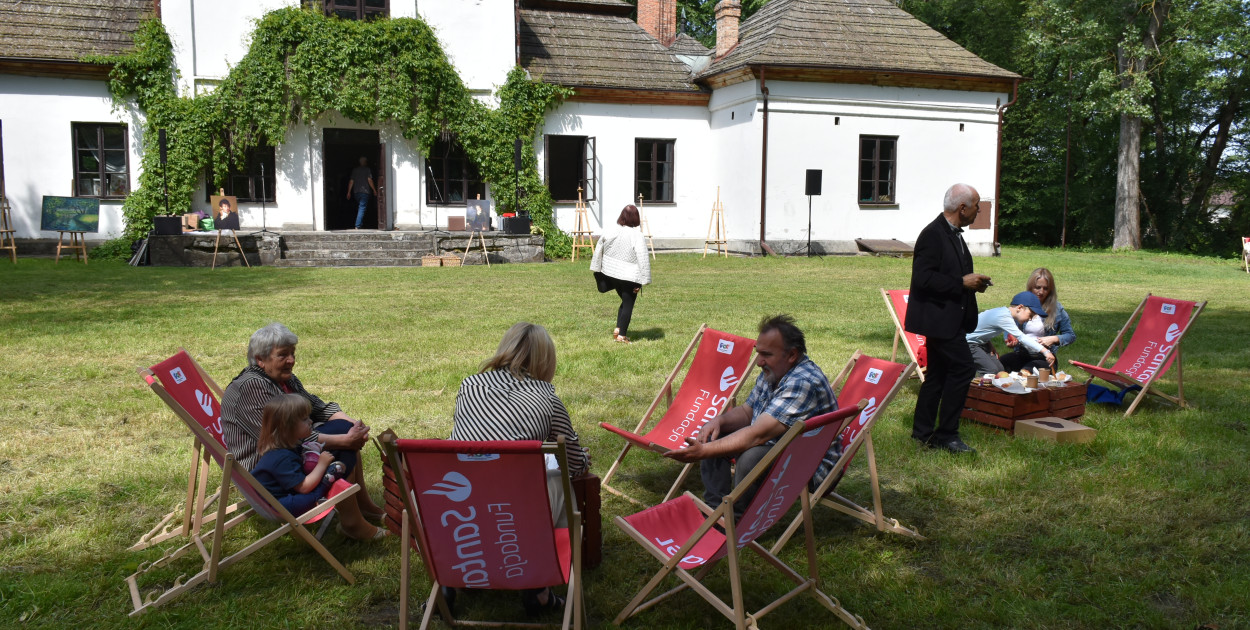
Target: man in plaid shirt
[790, 388]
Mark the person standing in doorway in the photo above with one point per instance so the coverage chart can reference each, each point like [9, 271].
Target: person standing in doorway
[943, 308]
[361, 182]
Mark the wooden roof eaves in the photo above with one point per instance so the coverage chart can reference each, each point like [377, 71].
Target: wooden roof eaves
[54, 68]
[632, 96]
[571, 6]
[832, 74]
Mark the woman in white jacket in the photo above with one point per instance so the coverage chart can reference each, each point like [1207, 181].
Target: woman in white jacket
[620, 262]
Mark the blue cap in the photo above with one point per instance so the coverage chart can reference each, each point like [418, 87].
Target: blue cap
[1026, 298]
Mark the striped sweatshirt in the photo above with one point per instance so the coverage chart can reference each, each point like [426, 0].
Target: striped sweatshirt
[241, 406]
[495, 405]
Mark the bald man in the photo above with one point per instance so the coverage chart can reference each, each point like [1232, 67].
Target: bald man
[943, 307]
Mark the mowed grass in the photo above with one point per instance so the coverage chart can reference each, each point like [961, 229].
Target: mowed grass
[1148, 526]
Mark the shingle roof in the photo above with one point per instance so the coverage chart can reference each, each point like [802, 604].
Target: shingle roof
[579, 49]
[65, 30]
[856, 34]
[687, 45]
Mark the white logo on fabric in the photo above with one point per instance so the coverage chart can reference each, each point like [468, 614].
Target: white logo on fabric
[728, 379]
[454, 486]
[1173, 332]
[1168, 309]
[484, 457]
[907, 299]
[178, 376]
[874, 376]
[869, 411]
[206, 402]
[725, 346]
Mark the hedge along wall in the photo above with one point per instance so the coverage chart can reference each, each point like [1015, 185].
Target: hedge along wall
[302, 65]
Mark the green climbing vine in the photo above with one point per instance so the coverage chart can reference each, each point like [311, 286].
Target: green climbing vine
[302, 66]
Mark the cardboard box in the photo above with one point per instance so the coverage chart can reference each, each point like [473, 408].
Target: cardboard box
[1056, 430]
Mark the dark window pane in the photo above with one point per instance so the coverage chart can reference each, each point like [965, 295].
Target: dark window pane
[664, 172]
[867, 149]
[115, 161]
[865, 191]
[88, 137]
[89, 186]
[344, 3]
[118, 184]
[666, 153]
[375, 4]
[865, 170]
[114, 137]
[644, 189]
[665, 191]
[887, 150]
[87, 161]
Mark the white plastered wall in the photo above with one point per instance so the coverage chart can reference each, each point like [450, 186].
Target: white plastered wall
[37, 114]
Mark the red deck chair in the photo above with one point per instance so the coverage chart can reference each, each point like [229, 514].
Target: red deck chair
[719, 369]
[483, 521]
[185, 388]
[680, 534]
[1155, 342]
[896, 304]
[873, 382]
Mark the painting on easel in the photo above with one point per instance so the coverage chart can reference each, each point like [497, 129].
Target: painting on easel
[477, 215]
[225, 212]
[70, 214]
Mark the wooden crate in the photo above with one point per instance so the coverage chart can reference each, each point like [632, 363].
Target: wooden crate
[995, 407]
[990, 405]
[431, 261]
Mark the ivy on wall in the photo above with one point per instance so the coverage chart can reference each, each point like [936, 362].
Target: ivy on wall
[302, 66]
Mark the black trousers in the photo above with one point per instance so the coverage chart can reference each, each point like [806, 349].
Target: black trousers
[941, 399]
[626, 290]
[1021, 358]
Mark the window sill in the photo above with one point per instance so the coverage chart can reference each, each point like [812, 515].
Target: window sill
[648, 204]
[878, 206]
[447, 204]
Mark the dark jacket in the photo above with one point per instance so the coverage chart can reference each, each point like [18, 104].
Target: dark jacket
[939, 306]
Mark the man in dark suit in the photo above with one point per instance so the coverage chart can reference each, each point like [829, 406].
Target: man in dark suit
[943, 307]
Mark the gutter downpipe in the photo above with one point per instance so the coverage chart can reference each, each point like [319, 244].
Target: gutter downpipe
[998, 163]
[764, 248]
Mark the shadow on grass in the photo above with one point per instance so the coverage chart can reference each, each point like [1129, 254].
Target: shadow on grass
[650, 334]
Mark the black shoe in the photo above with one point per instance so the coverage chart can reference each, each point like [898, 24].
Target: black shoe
[955, 446]
[533, 607]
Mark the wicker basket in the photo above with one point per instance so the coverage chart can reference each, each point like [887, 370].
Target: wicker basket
[431, 261]
[451, 261]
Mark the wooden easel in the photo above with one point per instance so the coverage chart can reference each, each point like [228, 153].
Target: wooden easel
[77, 242]
[236, 244]
[7, 231]
[581, 232]
[717, 223]
[481, 238]
[646, 227]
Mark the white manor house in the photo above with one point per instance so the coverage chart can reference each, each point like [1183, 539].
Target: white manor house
[889, 112]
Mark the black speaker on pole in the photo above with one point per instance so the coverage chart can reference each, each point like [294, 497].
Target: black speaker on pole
[160, 138]
[813, 182]
[164, 148]
[516, 155]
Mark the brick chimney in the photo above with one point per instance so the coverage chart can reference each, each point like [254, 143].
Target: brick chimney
[659, 18]
[727, 14]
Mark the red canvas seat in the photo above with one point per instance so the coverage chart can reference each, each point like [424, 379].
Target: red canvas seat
[896, 304]
[872, 383]
[483, 521]
[680, 533]
[719, 368]
[1153, 346]
[193, 396]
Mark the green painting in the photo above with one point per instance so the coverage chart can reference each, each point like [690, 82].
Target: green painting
[70, 214]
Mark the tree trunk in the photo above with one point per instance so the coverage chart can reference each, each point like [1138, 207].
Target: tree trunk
[1127, 191]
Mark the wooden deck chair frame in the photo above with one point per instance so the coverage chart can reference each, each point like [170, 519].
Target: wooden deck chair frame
[411, 534]
[666, 392]
[724, 517]
[900, 334]
[196, 511]
[824, 493]
[1148, 386]
[210, 543]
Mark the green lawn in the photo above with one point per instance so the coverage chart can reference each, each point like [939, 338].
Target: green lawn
[1148, 526]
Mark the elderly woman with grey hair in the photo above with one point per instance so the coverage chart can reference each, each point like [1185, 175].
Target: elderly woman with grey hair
[271, 359]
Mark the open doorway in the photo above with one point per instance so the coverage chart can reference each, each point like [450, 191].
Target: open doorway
[341, 152]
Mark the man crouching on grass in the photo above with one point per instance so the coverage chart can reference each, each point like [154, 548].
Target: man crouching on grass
[790, 388]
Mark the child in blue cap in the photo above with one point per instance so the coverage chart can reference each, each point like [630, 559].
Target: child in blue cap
[1006, 320]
